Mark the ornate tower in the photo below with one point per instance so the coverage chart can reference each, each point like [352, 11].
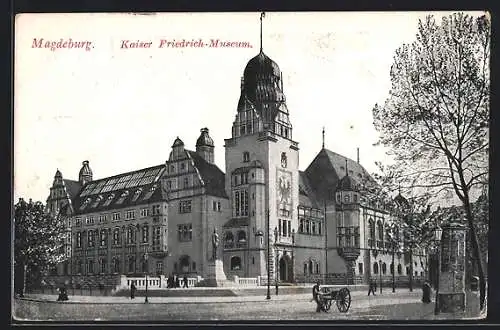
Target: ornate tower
[205, 146]
[347, 199]
[262, 167]
[58, 196]
[85, 174]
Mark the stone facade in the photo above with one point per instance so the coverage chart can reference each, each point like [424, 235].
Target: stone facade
[319, 224]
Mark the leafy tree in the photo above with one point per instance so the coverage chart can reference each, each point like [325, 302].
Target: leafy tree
[435, 120]
[38, 242]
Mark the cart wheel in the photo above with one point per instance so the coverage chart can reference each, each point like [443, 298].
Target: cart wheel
[343, 300]
[328, 304]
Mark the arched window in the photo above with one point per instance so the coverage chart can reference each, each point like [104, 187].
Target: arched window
[246, 156]
[242, 236]
[235, 263]
[380, 229]
[310, 267]
[228, 239]
[384, 268]
[400, 269]
[375, 268]
[317, 268]
[305, 268]
[371, 224]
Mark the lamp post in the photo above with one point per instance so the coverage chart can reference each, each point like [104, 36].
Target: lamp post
[268, 263]
[380, 273]
[146, 272]
[437, 245]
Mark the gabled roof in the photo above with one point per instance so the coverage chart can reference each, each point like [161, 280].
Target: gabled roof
[213, 178]
[328, 168]
[123, 190]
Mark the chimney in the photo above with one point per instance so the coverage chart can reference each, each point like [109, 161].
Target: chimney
[358, 154]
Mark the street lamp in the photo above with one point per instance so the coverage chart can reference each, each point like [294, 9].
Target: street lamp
[146, 272]
[380, 272]
[437, 245]
[268, 263]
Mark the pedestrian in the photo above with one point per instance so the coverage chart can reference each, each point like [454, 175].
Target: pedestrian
[316, 294]
[372, 287]
[132, 290]
[177, 281]
[185, 280]
[276, 288]
[63, 294]
[426, 292]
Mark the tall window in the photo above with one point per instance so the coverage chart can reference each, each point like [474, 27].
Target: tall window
[186, 182]
[156, 237]
[145, 234]
[130, 235]
[104, 237]
[159, 267]
[241, 203]
[380, 229]
[78, 239]
[246, 156]
[91, 238]
[371, 225]
[116, 236]
[90, 266]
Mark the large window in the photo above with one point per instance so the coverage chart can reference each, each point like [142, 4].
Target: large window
[145, 234]
[235, 263]
[116, 265]
[371, 225]
[228, 239]
[156, 237]
[185, 206]
[240, 203]
[104, 237]
[185, 232]
[91, 238]
[116, 236]
[284, 228]
[380, 228]
[130, 235]
[102, 265]
[78, 239]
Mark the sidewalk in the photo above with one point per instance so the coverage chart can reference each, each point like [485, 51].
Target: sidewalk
[359, 299]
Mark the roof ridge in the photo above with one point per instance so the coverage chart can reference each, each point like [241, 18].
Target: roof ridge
[124, 173]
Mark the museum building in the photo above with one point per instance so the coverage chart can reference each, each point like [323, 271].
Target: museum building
[324, 223]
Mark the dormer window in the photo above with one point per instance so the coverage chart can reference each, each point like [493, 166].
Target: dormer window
[137, 194]
[110, 198]
[97, 201]
[150, 192]
[246, 156]
[85, 204]
[122, 197]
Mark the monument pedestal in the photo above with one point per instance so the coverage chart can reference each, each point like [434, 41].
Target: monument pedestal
[215, 275]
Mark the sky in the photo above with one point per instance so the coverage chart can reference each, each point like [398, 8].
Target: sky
[122, 109]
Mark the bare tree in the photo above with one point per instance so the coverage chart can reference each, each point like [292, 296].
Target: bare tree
[435, 121]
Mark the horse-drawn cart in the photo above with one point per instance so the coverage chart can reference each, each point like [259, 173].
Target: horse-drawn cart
[342, 299]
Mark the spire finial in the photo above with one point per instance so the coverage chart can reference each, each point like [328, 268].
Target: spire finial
[346, 171]
[323, 137]
[262, 15]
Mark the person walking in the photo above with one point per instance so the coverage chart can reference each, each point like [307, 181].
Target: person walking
[372, 287]
[132, 290]
[185, 280]
[316, 293]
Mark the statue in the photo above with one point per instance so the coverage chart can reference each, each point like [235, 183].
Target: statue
[215, 244]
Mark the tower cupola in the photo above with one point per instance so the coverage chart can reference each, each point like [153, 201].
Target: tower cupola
[205, 146]
[85, 174]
